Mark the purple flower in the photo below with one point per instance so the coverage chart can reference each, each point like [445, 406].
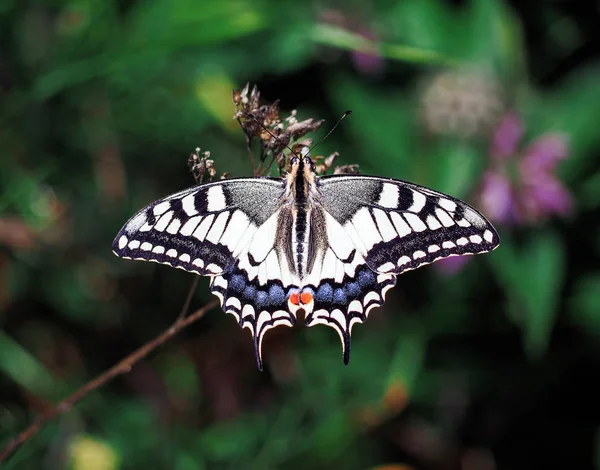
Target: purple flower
[368, 62]
[520, 186]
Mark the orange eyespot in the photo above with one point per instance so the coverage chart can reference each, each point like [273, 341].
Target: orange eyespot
[306, 297]
[295, 298]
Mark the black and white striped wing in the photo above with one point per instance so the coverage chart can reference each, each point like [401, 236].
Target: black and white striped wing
[400, 226]
[377, 229]
[225, 230]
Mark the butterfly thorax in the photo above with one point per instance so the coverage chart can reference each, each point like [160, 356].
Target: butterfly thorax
[302, 192]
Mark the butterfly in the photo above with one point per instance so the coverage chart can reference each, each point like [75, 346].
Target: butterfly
[330, 246]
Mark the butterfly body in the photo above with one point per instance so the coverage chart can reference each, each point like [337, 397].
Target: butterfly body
[330, 246]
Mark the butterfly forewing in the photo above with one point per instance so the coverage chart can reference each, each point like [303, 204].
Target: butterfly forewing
[401, 226]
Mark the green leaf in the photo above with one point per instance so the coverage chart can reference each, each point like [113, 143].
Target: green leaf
[27, 371]
[533, 277]
[584, 305]
[381, 126]
[455, 167]
[343, 39]
[571, 109]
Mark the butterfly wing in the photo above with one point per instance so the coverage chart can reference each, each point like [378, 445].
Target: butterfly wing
[388, 227]
[226, 230]
[401, 226]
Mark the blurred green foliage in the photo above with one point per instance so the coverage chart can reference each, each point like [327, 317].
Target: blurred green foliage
[486, 365]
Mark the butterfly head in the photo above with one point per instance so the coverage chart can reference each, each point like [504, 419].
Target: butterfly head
[301, 161]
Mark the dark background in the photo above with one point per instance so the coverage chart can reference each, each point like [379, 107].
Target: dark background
[487, 364]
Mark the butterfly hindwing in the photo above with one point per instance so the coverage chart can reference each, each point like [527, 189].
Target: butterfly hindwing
[256, 288]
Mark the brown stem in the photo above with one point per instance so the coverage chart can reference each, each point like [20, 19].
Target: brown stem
[249, 147]
[121, 367]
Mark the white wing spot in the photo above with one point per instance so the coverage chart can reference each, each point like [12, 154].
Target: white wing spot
[487, 235]
[172, 253]
[365, 226]
[447, 204]
[185, 258]
[419, 254]
[216, 199]
[189, 204]
[134, 244]
[235, 229]
[161, 208]
[433, 248]
[189, 227]
[146, 246]
[122, 242]
[198, 262]
[163, 221]
[200, 232]
[401, 226]
[371, 296]
[415, 222]
[339, 317]
[386, 267]
[233, 302]
[475, 219]
[404, 260]
[386, 229]
[146, 227]
[220, 282]
[463, 223]
[389, 196]
[445, 219]
[419, 200]
[216, 231]
[159, 250]
[433, 223]
[213, 268]
[475, 239]
[173, 227]
[448, 244]
[462, 241]
[355, 306]
[135, 223]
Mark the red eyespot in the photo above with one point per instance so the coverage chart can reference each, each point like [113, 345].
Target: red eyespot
[295, 298]
[306, 297]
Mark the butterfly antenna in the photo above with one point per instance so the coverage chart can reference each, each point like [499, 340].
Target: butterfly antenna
[332, 129]
[251, 116]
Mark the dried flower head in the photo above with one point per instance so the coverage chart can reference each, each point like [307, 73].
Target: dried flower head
[264, 123]
[462, 103]
[200, 165]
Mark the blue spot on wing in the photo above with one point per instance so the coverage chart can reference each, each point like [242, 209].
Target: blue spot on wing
[353, 289]
[237, 283]
[262, 298]
[366, 277]
[325, 293]
[276, 294]
[339, 296]
[249, 293]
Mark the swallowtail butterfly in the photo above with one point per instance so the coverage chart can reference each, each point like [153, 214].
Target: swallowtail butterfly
[328, 245]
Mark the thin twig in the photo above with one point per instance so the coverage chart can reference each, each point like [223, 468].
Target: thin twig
[121, 367]
[249, 147]
[188, 300]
